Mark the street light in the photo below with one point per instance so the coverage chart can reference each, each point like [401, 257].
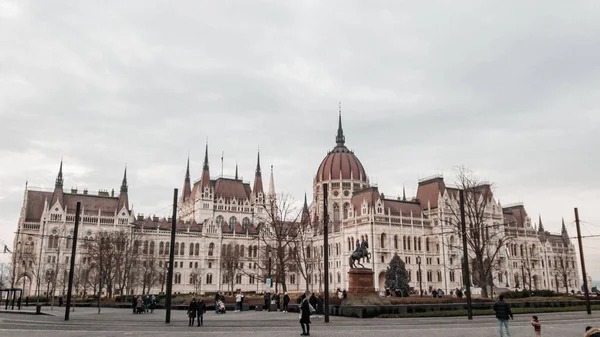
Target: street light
[420, 277]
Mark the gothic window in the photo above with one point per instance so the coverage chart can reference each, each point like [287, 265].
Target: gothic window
[439, 276]
[427, 244]
[404, 242]
[197, 250]
[232, 222]
[238, 279]
[452, 277]
[145, 249]
[293, 279]
[209, 278]
[176, 248]
[245, 223]
[255, 251]
[308, 252]
[219, 220]
[383, 239]
[211, 249]
[151, 247]
[395, 241]
[409, 275]
[242, 250]
[339, 278]
[182, 248]
[336, 212]
[346, 208]
[408, 241]
[177, 278]
[419, 244]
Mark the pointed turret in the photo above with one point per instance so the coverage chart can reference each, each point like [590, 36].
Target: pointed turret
[236, 171]
[340, 139]
[564, 228]
[305, 212]
[540, 225]
[187, 185]
[205, 179]
[257, 188]
[271, 184]
[57, 196]
[403, 193]
[123, 196]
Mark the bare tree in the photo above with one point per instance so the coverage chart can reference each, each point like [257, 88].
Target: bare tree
[5, 277]
[126, 258]
[305, 259]
[196, 278]
[279, 235]
[230, 265]
[150, 273]
[485, 240]
[563, 272]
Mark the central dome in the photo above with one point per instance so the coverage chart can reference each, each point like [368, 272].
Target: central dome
[341, 163]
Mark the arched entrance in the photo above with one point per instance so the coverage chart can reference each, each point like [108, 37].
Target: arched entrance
[382, 280]
[536, 282]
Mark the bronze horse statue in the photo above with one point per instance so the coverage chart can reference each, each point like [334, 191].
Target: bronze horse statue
[359, 253]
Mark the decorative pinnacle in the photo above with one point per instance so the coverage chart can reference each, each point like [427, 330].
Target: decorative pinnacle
[59, 178]
[205, 167]
[187, 171]
[340, 139]
[258, 163]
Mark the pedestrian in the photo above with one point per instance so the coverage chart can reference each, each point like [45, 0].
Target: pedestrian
[139, 304]
[238, 302]
[503, 314]
[201, 310]
[344, 294]
[133, 303]
[217, 298]
[305, 316]
[286, 301]
[278, 302]
[192, 309]
[320, 302]
[313, 300]
[592, 332]
[242, 301]
[267, 299]
[152, 304]
[27, 301]
[537, 327]
[60, 301]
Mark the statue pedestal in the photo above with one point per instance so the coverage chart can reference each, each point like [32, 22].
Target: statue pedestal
[361, 281]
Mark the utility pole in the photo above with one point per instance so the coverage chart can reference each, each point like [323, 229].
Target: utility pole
[466, 273]
[171, 258]
[72, 267]
[585, 285]
[37, 281]
[326, 258]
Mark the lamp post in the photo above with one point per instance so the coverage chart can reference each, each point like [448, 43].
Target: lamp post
[420, 277]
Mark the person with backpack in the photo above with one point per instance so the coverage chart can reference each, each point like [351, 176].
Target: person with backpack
[305, 316]
[201, 310]
[192, 309]
[503, 314]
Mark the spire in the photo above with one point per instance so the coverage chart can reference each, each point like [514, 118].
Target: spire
[305, 208]
[403, 193]
[123, 198]
[205, 167]
[187, 186]
[540, 225]
[205, 179]
[258, 185]
[59, 177]
[305, 212]
[124, 182]
[271, 184]
[564, 229]
[258, 164]
[236, 171]
[340, 139]
[187, 171]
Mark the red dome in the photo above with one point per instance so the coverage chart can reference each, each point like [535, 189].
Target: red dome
[341, 163]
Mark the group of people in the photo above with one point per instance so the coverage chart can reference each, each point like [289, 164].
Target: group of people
[143, 305]
[341, 294]
[277, 300]
[196, 309]
[220, 303]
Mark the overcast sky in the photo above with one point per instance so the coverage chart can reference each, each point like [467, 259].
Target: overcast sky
[509, 89]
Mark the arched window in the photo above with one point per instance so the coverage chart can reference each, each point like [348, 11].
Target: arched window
[255, 251]
[209, 279]
[176, 248]
[167, 248]
[161, 248]
[439, 275]
[339, 278]
[238, 279]
[408, 241]
[336, 212]
[219, 220]
[349, 245]
[211, 249]
[145, 249]
[409, 275]
[308, 252]
[242, 250]
[151, 247]
[429, 276]
[245, 223]
[395, 241]
[427, 244]
[249, 251]
[521, 250]
[197, 249]
[404, 242]
[383, 239]
[237, 250]
[346, 208]
[182, 248]
[419, 244]
[232, 222]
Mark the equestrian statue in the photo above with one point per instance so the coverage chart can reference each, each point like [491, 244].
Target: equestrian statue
[358, 254]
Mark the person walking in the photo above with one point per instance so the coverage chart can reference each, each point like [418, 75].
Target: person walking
[305, 316]
[217, 298]
[139, 304]
[192, 309]
[60, 301]
[152, 304]
[313, 301]
[242, 301]
[267, 299]
[278, 301]
[503, 314]
[133, 303]
[537, 327]
[286, 301]
[201, 309]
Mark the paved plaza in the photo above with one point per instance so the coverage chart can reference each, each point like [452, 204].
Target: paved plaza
[121, 322]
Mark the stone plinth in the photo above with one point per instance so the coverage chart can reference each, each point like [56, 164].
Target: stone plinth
[361, 281]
